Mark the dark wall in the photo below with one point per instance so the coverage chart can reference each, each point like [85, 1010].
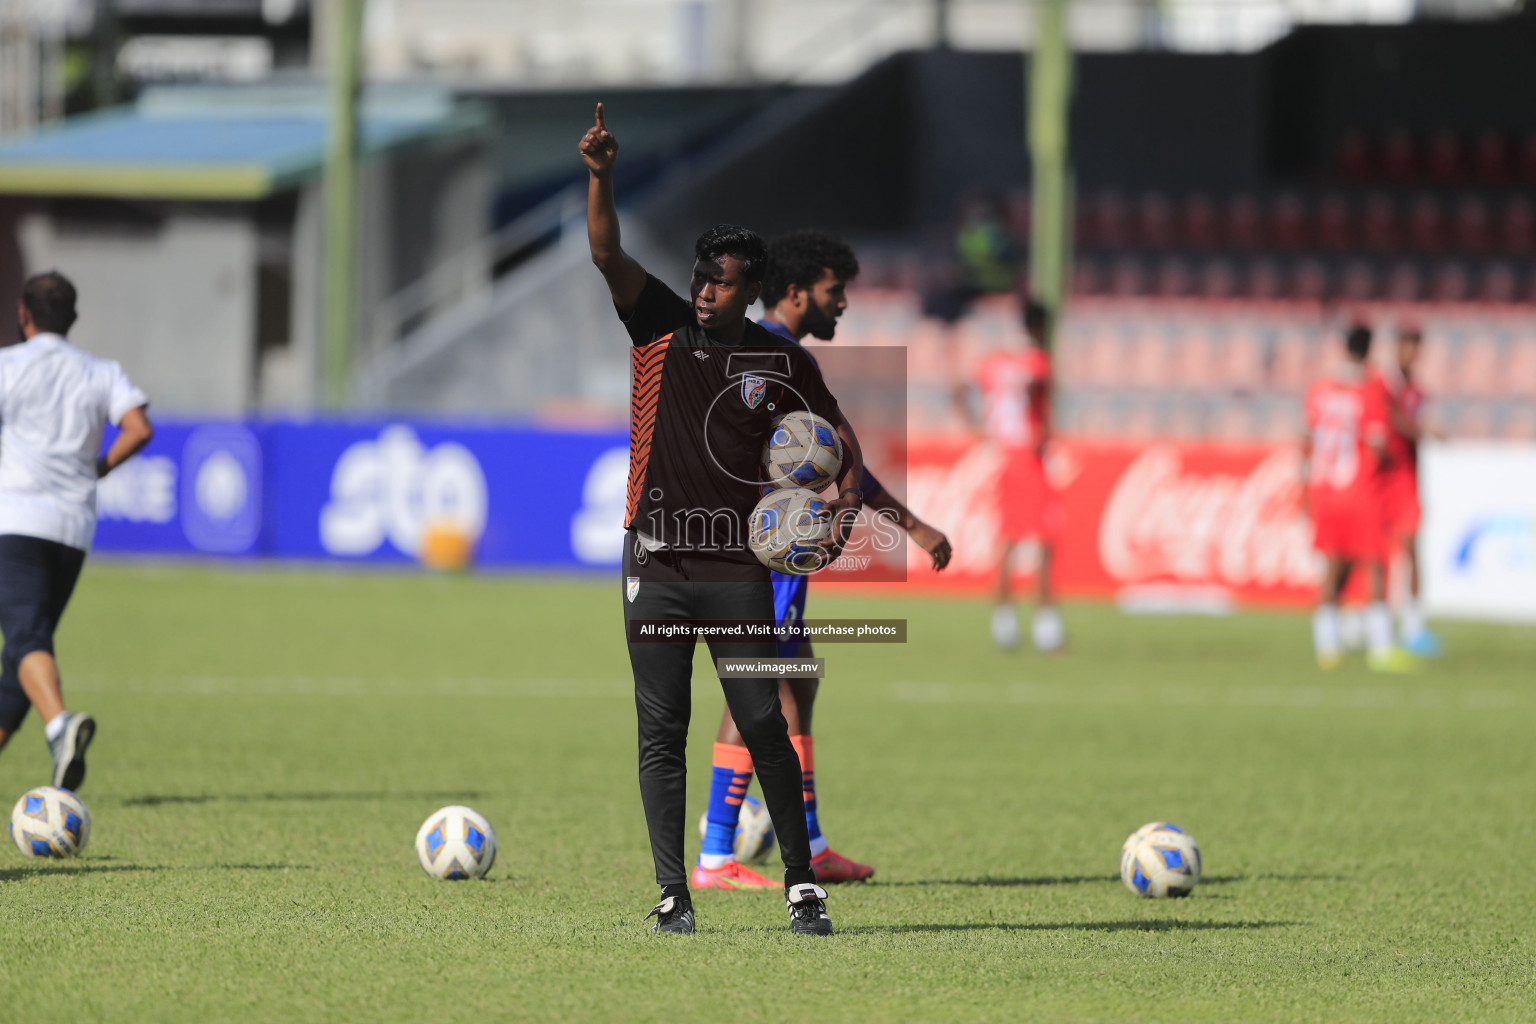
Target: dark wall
[897, 148]
[1466, 76]
[836, 160]
[1166, 119]
[966, 129]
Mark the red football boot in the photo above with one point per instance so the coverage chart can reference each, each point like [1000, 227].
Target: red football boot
[731, 876]
[831, 866]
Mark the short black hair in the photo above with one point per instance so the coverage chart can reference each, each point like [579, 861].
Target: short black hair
[1357, 341]
[50, 300]
[1037, 319]
[801, 257]
[734, 240]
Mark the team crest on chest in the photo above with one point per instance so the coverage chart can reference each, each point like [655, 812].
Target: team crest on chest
[753, 388]
[631, 588]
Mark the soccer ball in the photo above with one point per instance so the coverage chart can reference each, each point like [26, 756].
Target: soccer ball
[785, 528]
[456, 843]
[50, 822]
[1159, 860]
[803, 451]
[754, 831]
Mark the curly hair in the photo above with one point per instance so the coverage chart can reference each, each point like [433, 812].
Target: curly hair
[733, 240]
[800, 258]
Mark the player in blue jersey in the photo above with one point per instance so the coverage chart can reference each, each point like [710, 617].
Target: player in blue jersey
[804, 293]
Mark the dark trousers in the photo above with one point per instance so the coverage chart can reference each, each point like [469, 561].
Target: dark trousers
[669, 588]
[36, 579]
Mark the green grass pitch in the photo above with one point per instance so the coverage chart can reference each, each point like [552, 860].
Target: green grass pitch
[271, 739]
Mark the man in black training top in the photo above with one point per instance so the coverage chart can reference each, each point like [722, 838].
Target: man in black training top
[707, 384]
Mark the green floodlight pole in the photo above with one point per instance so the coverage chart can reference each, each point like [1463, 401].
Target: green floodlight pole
[1050, 88]
[339, 244]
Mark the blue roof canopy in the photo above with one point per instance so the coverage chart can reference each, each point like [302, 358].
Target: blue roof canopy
[215, 143]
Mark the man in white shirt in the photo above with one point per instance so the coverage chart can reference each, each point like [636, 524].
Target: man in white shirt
[54, 402]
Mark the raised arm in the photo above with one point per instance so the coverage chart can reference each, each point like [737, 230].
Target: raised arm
[133, 434]
[626, 278]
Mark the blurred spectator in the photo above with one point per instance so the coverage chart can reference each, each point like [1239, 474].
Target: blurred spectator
[989, 257]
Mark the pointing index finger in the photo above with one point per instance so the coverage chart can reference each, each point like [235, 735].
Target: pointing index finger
[600, 122]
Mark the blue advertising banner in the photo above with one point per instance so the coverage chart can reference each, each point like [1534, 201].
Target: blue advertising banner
[368, 491]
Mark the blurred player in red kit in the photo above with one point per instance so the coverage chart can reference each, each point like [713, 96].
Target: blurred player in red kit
[1015, 387]
[1348, 423]
[1400, 488]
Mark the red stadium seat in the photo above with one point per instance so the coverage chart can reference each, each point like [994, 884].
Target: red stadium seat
[1201, 229]
[1127, 278]
[1399, 156]
[1452, 282]
[1150, 368]
[1520, 370]
[1425, 225]
[1173, 277]
[1435, 365]
[1309, 280]
[1155, 221]
[1335, 223]
[1357, 283]
[1264, 279]
[1289, 223]
[1477, 366]
[1352, 156]
[1242, 359]
[1499, 283]
[1445, 157]
[1245, 222]
[1471, 228]
[1110, 220]
[1528, 157]
[1295, 360]
[1492, 157]
[1104, 365]
[1195, 355]
[1519, 228]
[1404, 282]
[1218, 279]
[1380, 228]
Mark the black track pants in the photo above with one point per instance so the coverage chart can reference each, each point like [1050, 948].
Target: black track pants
[669, 588]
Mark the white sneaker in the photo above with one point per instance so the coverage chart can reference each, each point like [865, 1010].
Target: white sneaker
[1005, 627]
[1048, 631]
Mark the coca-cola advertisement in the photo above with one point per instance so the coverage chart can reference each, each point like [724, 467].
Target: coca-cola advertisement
[1215, 522]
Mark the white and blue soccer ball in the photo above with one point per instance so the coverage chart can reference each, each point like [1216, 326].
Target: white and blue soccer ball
[786, 529]
[1160, 860]
[754, 831]
[50, 822]
[803, 450]
[455, 843]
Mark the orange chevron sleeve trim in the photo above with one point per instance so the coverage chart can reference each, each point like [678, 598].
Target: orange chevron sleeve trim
[645, 391]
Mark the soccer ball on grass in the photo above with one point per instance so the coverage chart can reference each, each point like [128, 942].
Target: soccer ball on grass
[455, 843]
[1159, 860]
[50, 822]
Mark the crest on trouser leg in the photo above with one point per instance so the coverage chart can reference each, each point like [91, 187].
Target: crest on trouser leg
[631, 588]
